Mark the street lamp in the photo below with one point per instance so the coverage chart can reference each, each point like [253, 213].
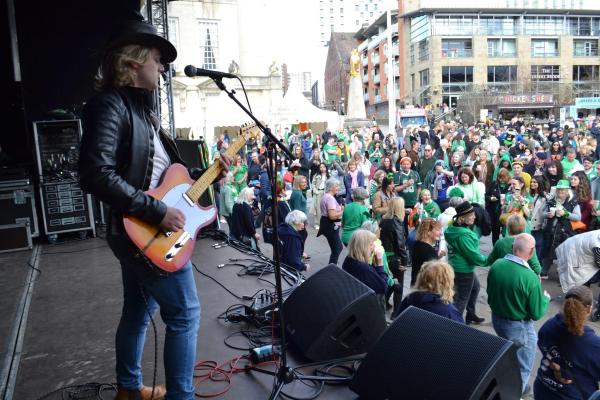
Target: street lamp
[341, 108]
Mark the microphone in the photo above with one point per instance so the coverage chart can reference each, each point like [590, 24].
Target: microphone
[192, 71]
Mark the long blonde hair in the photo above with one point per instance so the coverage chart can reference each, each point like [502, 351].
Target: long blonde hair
[437, 277]
[359, 247]
[395, 208]
[297, 180]
[115, 70]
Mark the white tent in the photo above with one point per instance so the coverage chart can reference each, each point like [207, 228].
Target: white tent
[295, 108]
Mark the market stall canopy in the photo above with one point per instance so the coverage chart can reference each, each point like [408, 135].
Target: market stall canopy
[222, 111]
[295, 108]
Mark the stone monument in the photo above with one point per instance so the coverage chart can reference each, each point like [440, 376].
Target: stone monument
[356, 117]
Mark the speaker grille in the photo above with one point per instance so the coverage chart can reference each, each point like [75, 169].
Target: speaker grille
[425, 356]
[333, 314]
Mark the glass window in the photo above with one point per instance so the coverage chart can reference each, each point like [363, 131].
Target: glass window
[545, 73]
[583, 26]
[424, 77]
[544, 47]
[502, 73]
[585, 48]
[497, 26]
[419, 29]
[585, 72]
[457, 75]
[502, 47]
[209, 43]
[412, 54]
[454, 48]
[424, 50]
[454, 25]
[535, 25]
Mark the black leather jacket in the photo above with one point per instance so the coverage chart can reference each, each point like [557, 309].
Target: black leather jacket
[393, 238]
[116, 156]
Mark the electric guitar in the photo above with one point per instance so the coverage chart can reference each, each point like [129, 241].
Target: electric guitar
[170, 251]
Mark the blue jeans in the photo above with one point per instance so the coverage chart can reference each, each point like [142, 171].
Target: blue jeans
[176, 296]
[539, 242]
[523, 335]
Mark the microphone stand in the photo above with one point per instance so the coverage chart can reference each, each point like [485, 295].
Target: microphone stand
[285, 374]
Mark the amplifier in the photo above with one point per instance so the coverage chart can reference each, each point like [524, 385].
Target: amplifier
[66, 208]
[15, 237]
[57, 148]
[17, 202]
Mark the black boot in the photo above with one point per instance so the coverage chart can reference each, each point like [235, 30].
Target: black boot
[474, 320]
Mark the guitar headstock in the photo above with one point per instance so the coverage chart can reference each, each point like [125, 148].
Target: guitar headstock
[249, 131]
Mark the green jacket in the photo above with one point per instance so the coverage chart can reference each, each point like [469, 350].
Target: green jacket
[352, 219]
[298, 201]
[227, 196]
[463, 249]
[515, 291]
[504, 246]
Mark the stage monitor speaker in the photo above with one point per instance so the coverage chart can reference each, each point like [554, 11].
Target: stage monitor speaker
[423, 356]
[333, 315]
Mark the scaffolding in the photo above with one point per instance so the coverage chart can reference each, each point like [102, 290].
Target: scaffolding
[156, 14]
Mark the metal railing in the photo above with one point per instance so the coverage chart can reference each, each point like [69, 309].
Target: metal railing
[500, 53]
[457, 53]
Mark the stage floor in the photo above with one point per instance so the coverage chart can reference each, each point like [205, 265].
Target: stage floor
[68, 323]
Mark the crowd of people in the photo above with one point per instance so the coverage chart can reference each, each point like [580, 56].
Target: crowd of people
[421, 198]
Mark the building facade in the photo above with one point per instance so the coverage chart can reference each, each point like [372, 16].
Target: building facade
[337, 71]
[499, 55]
[375, 58]
[346, 16]
[209, 35]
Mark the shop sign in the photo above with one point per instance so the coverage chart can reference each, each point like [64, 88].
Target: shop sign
[528, 99]
[587, 102]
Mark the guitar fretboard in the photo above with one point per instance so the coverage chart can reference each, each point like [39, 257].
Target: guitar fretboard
[208, 177]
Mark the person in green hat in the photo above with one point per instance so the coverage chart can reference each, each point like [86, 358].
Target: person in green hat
[561, 210]
[464, 256]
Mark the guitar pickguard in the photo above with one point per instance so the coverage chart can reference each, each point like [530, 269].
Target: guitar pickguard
[196, 216]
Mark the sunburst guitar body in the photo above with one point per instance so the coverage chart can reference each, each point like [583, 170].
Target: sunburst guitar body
[170, 251]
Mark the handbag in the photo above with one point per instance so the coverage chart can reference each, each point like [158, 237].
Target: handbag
[578, 226]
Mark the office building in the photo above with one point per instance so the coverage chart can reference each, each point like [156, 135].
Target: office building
[513, 54]
[346, 16]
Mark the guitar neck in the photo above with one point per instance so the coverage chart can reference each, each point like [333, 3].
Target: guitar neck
[209, 176]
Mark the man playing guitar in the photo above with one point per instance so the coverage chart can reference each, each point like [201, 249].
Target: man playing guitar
[123, 154]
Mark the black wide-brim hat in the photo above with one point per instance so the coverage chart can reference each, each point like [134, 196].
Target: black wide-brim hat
[143, 34]
[463, 208]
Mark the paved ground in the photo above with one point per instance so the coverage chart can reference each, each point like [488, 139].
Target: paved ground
[75, 305]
